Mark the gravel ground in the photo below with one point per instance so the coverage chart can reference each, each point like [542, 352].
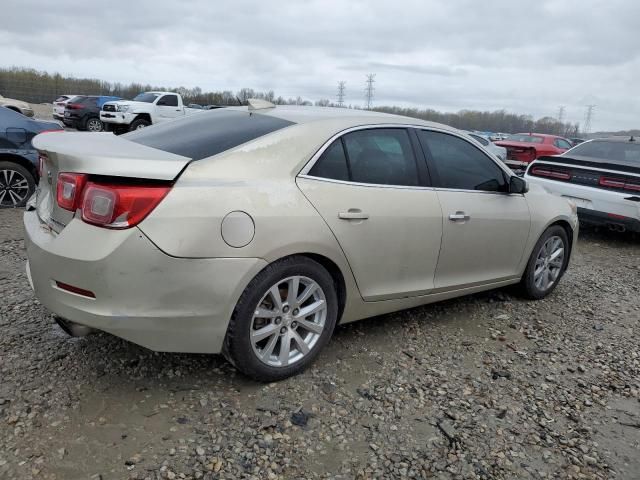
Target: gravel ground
[487, 386]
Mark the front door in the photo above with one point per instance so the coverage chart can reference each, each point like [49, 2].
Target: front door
[485, 229]
[368, 189]
[168, 107]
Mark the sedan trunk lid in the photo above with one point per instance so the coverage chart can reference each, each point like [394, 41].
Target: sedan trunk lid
[97, 154]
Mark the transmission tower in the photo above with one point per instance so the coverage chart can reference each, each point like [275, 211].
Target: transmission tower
[561, 113]
[368, 92]
[588, 118]
[341, 88]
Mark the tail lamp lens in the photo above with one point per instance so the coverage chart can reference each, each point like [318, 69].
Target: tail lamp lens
[619, 183]
[69, 190]
[110, 205]
[120, 206]
[544, 172]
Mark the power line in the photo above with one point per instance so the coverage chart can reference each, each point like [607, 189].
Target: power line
[588, 118]
[368, 92]
[341, 89]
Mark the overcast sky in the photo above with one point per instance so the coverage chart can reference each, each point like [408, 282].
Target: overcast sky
[523, 56]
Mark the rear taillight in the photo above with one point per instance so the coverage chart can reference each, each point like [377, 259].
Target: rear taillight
[546, 172]
[120, 206]
[619, 184]
[74, 106]
[69, 190]
[109, 205]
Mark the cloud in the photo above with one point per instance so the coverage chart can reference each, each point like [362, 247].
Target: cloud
[528, 57]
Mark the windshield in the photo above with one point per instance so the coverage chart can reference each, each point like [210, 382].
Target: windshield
[609, 150]
[520, 137]
[146, 97]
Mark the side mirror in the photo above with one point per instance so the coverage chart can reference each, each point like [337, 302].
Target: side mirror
[17, 136]
[518, 185]
[161, 102]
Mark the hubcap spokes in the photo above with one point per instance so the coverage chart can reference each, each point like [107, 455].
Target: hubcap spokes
[549, 263]
[94, 125]
[14, 188]
[288, 321]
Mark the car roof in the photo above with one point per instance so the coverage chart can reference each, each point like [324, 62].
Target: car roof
[300, 114]
[545, 135]
[617, 138]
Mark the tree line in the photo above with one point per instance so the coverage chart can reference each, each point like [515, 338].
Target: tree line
[42, 87]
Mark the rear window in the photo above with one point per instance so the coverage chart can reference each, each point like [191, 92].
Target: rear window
[208, 133]
[628, 152]
[525, 138]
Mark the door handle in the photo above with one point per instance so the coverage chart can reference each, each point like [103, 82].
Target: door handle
[353, 214]
[178, 110]
[459, 217]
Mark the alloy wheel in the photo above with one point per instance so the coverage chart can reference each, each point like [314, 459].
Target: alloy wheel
[14, 188]
[94, 125]
[288, 321]
[549, 263]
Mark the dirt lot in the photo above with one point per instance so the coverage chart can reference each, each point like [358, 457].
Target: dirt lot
[488, 386]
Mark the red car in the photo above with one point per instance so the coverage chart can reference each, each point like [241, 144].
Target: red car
[524, 148]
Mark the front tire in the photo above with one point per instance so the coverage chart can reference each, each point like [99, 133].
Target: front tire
[138, 124]
[16, 185]
[547, 263]
[283, 319]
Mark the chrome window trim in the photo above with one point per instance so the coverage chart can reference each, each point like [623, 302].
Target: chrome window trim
[309, 165]
[304, 172]
[368, 185]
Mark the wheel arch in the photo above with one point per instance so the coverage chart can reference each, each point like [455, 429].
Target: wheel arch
[143, 116]
[567, 228]
[22, 161]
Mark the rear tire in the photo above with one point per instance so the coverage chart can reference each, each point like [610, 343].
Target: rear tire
[17, 185]
[547, 263]
[271, 338]
[93, 124]
[138, 124]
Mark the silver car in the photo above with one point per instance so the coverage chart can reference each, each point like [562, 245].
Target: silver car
[253, 231]
[497, 150]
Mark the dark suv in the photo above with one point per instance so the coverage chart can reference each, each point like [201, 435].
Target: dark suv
[18, 158]
[83, 112]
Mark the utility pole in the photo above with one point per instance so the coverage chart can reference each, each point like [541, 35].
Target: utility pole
[368, 92]
[341, 88]
[588, 118]
[561, 113]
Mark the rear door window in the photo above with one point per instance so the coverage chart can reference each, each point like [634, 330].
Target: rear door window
[382, 156]
[332, 164]
[379, 156]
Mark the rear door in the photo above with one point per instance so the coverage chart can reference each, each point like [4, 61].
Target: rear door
[168, 107]
[372, 192]
[485, 229]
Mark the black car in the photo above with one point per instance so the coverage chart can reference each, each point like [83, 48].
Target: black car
[83, 112]
[18, 158]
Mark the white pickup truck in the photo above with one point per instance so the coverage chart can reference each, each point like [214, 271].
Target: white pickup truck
[146, 109]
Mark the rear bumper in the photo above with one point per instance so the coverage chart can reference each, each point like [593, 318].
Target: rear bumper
[603, 219]
[594, 203]
[141, 294]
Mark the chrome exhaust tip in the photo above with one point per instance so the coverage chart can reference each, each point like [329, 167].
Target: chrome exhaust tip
[73, 329]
